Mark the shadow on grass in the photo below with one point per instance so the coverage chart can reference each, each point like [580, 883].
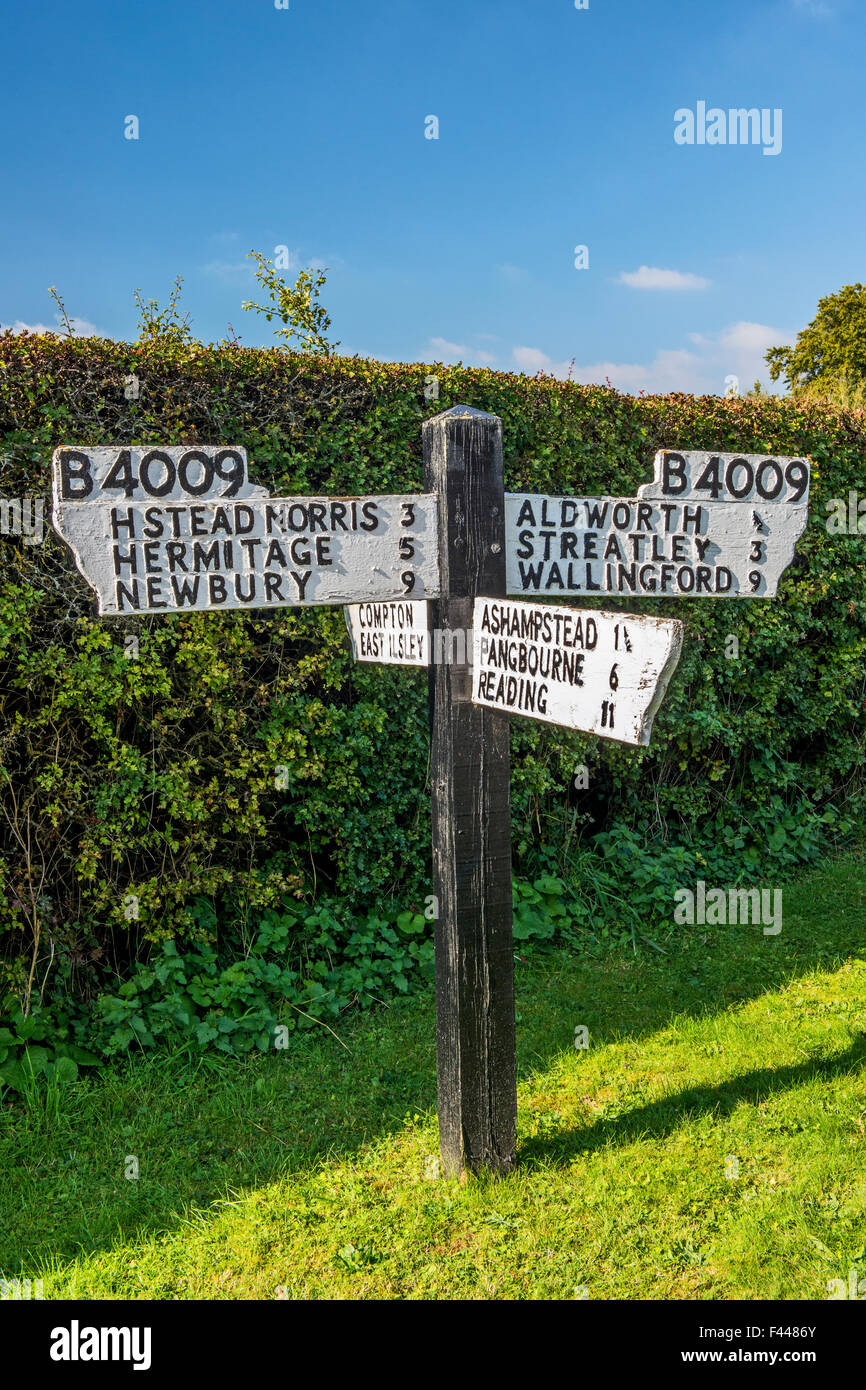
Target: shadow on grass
[663, 1116]
[199, 1134]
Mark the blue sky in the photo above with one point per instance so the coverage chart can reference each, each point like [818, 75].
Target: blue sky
[305, 127]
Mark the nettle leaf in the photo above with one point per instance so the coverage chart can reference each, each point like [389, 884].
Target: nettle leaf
[11, 1075]
[81, 1055]
[34, 1060]
[142, 1032]
[547, 884]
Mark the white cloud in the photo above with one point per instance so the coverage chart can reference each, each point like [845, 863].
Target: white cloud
[230, 272]
[513, 272]
[737, 350]
[532, 360]
[242, 272]
[650, 277]
[817, 8]
[82, 328]
[752, 338]
[459, 352]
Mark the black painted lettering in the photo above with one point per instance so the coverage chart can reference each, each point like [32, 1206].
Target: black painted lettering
[76, 480]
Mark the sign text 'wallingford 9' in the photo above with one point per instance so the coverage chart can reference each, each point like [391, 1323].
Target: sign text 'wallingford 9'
[707, 526]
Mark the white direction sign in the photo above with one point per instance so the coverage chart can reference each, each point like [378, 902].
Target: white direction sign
[604, 673]
[395, 634]
[159, 530]
[707, 526]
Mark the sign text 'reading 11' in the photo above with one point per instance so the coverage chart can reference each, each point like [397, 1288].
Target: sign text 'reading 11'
[604, 673]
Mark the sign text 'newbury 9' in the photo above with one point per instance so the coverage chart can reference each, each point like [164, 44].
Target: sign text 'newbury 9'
[161, 530]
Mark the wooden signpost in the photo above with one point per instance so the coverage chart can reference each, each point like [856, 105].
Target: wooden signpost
[425, 581]
[470, 788]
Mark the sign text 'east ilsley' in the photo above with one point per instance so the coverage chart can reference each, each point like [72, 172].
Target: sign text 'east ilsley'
[393, 634]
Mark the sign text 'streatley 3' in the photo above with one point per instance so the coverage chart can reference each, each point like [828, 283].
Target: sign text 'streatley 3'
[707, 526]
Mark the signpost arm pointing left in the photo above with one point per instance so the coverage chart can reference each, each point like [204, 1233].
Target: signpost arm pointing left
[470, 791]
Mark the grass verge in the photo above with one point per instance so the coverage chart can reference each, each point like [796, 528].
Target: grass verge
[709, 1144]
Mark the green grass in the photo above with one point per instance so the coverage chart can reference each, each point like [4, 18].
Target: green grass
[307, 1170]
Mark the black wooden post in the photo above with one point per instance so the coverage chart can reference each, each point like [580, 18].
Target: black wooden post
[470, 778]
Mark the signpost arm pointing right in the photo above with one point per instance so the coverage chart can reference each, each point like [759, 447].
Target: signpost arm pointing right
[470, 792]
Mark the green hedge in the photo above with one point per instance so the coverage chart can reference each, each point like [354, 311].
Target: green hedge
[156, 777]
